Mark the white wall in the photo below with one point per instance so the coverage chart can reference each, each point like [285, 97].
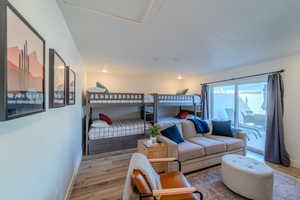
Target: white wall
[38, 153]
[143, 83]
[291, 78]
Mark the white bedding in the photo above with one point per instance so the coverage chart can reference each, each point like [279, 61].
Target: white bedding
[119, 128]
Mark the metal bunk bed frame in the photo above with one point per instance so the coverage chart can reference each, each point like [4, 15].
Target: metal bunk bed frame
[173, 100]
[100, 100]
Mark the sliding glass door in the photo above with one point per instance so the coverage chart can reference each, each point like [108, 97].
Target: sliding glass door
[223, 102]
[245, 105]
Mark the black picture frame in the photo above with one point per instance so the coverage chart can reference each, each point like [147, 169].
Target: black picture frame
[71, 87]
[57, 99]
[20, 102]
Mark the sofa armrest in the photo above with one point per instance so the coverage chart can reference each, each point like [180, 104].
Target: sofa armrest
[239, 134]
[171, 146]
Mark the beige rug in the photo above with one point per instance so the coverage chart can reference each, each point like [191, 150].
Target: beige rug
[209, 182]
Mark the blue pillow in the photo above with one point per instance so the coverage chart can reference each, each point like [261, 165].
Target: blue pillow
[222, 128]
[173, 134]
[200, 125]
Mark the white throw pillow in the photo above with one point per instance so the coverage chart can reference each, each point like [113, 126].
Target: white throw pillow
[100, 124]
[96, 90]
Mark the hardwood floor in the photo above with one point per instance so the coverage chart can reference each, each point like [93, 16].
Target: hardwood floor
[101, 177]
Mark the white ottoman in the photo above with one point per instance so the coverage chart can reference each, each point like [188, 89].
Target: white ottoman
[247, 177]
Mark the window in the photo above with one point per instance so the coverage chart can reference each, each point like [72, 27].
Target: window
[245, 105]
[223, 103]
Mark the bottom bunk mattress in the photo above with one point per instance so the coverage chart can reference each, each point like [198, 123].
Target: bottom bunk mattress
[119, 128]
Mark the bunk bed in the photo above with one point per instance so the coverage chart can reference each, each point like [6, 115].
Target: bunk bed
[122, 134]
[165, 100]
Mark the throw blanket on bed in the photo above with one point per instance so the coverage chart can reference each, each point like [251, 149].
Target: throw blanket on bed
[140, 162]
[200, 125]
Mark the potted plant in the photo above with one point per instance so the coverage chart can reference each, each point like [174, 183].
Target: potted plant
[153, 132]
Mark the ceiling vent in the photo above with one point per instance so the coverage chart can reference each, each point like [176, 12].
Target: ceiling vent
[134, 11]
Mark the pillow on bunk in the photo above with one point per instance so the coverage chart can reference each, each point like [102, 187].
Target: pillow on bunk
[100, 85]
[105, 118]
[173, 134]
[100, 124]
[182, 115]
[184, 91]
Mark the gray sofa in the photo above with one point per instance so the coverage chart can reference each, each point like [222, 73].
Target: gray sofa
[199, 151]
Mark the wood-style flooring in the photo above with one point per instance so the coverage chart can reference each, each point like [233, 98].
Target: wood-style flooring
[101, 177]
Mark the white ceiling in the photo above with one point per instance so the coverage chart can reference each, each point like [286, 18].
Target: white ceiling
[182, 36]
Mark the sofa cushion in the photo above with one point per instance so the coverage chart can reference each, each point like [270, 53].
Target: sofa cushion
[211, 146]
[231, 143]
[188, 129]
[189, 151]
[175, 180]
[173, 134]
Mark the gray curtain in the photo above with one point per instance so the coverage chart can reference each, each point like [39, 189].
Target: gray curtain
[205, 101]
[275, 150]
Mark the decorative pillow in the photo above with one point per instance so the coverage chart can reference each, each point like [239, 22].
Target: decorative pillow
[100, 124]
[173, 134]
[100, 85]
[184, 91]
[200, 125]
[182, 115]
[141, 183]
[105, 118]
[99, 90]
[222, 128]
[164, 125]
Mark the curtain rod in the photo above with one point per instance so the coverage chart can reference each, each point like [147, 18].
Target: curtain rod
[233, 79]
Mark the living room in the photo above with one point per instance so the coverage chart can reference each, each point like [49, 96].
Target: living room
[149, 99]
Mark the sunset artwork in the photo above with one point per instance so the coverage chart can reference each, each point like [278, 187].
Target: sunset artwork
[72, 87]
[59, 81]
[25, 68]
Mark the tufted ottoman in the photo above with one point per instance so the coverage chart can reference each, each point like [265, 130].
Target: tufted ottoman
[247, 177]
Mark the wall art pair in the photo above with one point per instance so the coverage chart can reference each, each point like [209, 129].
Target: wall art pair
[22, 69]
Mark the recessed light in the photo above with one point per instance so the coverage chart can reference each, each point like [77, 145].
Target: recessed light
[179, 77]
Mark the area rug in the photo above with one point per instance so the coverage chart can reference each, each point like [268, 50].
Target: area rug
[209, 182]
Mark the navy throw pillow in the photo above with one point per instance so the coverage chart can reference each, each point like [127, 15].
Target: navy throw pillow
[200, 125]
[222, 128]
[173, 134]
[205, 127]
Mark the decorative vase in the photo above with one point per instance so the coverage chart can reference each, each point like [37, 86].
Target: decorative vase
[153, 140]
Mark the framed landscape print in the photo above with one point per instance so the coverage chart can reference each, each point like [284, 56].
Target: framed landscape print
[22, 65]
[57, 80]
[71, 86]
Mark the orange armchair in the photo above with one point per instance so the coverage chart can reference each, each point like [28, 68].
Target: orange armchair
[174, 185]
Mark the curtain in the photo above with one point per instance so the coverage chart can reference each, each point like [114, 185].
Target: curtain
[275, 150]
[205, 102]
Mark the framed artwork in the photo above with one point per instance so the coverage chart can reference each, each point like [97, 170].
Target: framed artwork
[57, 80]
[22, 65]
[71, 86]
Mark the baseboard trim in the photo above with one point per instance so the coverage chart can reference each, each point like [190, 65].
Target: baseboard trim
[295, 163]
[72, 181]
